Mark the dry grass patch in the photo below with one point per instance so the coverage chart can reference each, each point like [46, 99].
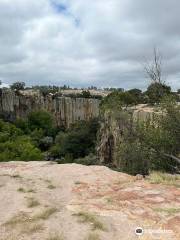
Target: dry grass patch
[55, 237]
[32, 202]
[170, 211]
[18, 219]
[164, 178]
[51, 186]
[86, 217]
[93, 236]
[16, 176]
[31, 191]
[32, 228]
[21, 190]
[45, 214]
[23, 218]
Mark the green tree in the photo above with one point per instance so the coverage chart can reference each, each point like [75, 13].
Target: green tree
[41, 120]
[116, 100]
[156, 91]
[137, 95]
[79, 141]
[18, 86]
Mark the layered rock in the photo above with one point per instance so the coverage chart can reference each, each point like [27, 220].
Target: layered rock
[66, 110]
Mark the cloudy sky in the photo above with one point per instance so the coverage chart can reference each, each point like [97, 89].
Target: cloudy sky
[88, 42]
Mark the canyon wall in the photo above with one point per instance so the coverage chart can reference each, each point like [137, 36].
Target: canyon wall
[113, 127]
[65, 110]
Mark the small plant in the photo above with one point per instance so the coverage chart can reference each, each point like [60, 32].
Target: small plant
[169, 211]
[32, 228]
[32, 203]
[93, 236]
[23, 218]
[51, 186]
[45, 214]
[31, 191]
[55, 237]
[86, 217]
[20, 218]
[21, 190]
[25, 191]
[164, 178]
[77, 182]
[48, 181]
[16, 176]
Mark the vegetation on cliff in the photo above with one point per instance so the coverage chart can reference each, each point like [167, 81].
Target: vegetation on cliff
[37, 138]
[144, 145]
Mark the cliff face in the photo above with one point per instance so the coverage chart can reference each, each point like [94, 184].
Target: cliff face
[112, 130]
[65, 110]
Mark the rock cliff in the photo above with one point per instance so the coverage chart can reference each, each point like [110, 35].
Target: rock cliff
[112, 129]
[66, 110]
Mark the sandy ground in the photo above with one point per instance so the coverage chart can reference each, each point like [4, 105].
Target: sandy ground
[43, 200]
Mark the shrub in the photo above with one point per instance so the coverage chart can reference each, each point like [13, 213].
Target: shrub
[77, 142]
[91, 159]
[117, 99]
[19, 150]
[156, 91]
[40, 120]
[152, 144]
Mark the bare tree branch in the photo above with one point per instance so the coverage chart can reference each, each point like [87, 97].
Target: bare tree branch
[154, 69]
[173, 157]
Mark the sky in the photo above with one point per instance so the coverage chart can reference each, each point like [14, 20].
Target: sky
[80, 43]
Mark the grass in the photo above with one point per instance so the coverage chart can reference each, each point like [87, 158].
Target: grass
[170, 211]
[55, 237]
[164, 178]
[32, 203]
[48, 181]
[18, 219]
[16, 176]
[86, 217]
[78, 183]
[45, 214]
[109, 200]
[21, 190]
[31, 191]
[32, 228]
[25, 191]
[23, 218]
[93, 236]
[51, 186]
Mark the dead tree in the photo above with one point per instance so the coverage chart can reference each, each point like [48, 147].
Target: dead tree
[154, 69]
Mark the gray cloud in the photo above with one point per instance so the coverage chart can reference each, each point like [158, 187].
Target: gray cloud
[86, 42]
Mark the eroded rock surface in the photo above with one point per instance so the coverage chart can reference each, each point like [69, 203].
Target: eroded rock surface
[119, 203]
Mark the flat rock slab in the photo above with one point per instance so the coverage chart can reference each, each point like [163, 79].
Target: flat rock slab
[40, 200]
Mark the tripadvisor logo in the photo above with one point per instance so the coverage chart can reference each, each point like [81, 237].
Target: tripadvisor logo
[139, 231]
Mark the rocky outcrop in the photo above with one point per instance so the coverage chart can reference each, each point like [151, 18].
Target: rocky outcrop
[66, 110]
[112, 130]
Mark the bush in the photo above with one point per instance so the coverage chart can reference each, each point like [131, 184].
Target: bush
[116, 100]
[40, 120]
[77, 142]
[156, 91]
[153, 144]
[91, 159]
[19, 150]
